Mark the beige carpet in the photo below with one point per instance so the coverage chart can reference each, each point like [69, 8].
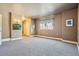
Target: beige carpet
[34, 46]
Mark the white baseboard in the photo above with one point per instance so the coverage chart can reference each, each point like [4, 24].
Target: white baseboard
[72, 42]
[16, 38]
[48, 37]
[8, 39]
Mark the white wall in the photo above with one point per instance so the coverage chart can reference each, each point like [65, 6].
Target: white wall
[16, 33]
[4, 10]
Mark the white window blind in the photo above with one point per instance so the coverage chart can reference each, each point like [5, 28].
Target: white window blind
[46, 24]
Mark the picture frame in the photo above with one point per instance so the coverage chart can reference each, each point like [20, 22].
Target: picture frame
[69, 22]
[16, 27]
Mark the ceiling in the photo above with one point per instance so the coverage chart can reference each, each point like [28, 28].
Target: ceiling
[38, 9]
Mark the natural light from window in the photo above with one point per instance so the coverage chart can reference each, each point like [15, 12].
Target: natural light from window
[46, 24]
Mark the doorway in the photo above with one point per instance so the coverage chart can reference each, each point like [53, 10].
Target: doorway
[26, 26]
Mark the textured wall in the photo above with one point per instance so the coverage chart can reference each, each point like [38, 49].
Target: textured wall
[78, 27]
[69, 33]
[56, 31]
[60, 30]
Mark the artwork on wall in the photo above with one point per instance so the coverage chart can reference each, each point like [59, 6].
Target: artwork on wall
[16, 27]
[69, 22]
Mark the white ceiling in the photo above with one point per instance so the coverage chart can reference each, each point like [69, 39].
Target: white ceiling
[35, 9]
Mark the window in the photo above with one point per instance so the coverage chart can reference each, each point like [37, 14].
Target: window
[42, 24]
[46, 24]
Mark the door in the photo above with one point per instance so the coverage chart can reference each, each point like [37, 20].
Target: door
[0, 28]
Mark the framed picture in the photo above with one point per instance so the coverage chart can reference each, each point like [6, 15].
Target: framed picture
[69, 22]
[16, 27]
